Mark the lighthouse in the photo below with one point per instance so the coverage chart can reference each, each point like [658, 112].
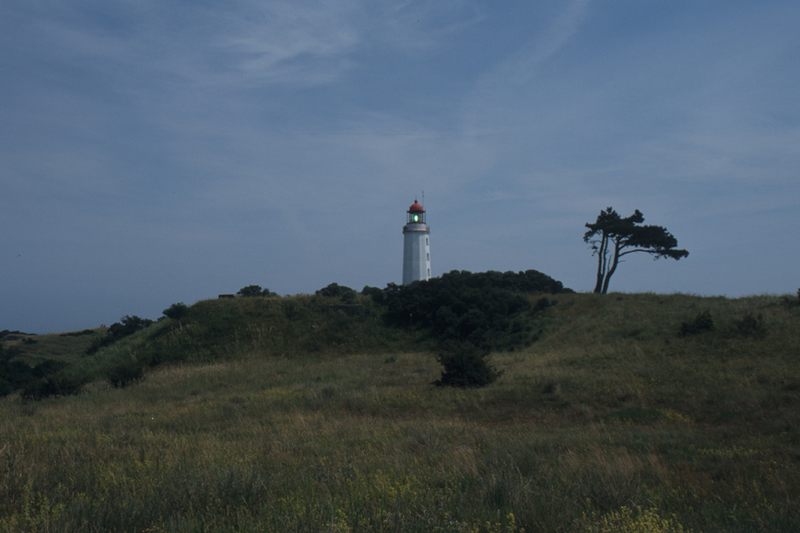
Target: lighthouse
[416, 245]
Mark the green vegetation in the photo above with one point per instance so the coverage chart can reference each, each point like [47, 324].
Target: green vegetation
[176, 311]
[313, 414]
[465, 364]
[254, 290]
[128, 325]
[702, 322]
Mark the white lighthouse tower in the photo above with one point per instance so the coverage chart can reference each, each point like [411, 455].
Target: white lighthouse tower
[416, 245]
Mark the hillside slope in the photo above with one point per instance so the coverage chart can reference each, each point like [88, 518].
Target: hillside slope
[611, 419]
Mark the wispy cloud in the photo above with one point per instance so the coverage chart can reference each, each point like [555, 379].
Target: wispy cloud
[420, 25]
[498, 89]
[289, 42]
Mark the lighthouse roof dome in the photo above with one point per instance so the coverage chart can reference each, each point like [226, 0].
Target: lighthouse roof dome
[416, 207]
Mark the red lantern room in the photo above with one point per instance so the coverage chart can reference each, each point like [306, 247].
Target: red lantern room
[416, 213]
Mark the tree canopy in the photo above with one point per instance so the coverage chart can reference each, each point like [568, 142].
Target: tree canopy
[251, 291]
[612, 237]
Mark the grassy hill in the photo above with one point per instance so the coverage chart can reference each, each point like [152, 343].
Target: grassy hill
[310, 414]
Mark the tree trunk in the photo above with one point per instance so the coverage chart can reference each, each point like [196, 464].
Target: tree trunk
[601, 263]
[614, 263]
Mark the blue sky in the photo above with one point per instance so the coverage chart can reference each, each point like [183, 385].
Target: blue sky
[158, 151]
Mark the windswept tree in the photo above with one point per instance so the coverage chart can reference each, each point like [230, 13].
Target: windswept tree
[613, 237]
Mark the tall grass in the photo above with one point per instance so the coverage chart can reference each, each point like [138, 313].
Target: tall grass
[612, 421]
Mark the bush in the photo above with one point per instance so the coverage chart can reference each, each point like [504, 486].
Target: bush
[176, 311]
[702, 322]
[18, 374]
[128, 325]
[125, 373]
[251, 291]
[373, 292]
[750, 326]
[489, 309]
[465, 365]
[334, 290]
[55, 385]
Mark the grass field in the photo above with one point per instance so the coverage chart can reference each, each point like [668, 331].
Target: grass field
[611, 421]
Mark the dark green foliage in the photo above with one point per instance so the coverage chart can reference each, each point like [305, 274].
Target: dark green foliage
[702, 322]
[334, 290]
[750, 326]
[80, 333]
[543, 303]
[176, 311]
[13, 372]
[485, 309]
[125, 373]
[251, 291]
[373, 292]
[612, 237]
[128, 325]
[59, 384]
[469, 315]
[465, 365]
[17, 374]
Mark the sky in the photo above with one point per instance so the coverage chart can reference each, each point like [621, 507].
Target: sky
[156, 151]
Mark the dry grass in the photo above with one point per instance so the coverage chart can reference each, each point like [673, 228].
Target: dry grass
[611, 422]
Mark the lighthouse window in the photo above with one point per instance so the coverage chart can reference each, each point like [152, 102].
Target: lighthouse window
[426, 240]
[415, 218]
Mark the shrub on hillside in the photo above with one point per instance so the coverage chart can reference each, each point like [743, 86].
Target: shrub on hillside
[334, 290]
[465, 365]
[128, 325]
[125, 373]
[488, 309]
[60, 384]
[176, 311]
[374, 293]
[702, 322]
[750, 326]
[251, 291]
[18, 374]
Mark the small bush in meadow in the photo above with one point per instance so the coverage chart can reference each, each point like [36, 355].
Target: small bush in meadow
[56, 385]
[465, 365]
[750, 326]
[125, 374]
[699, 324]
